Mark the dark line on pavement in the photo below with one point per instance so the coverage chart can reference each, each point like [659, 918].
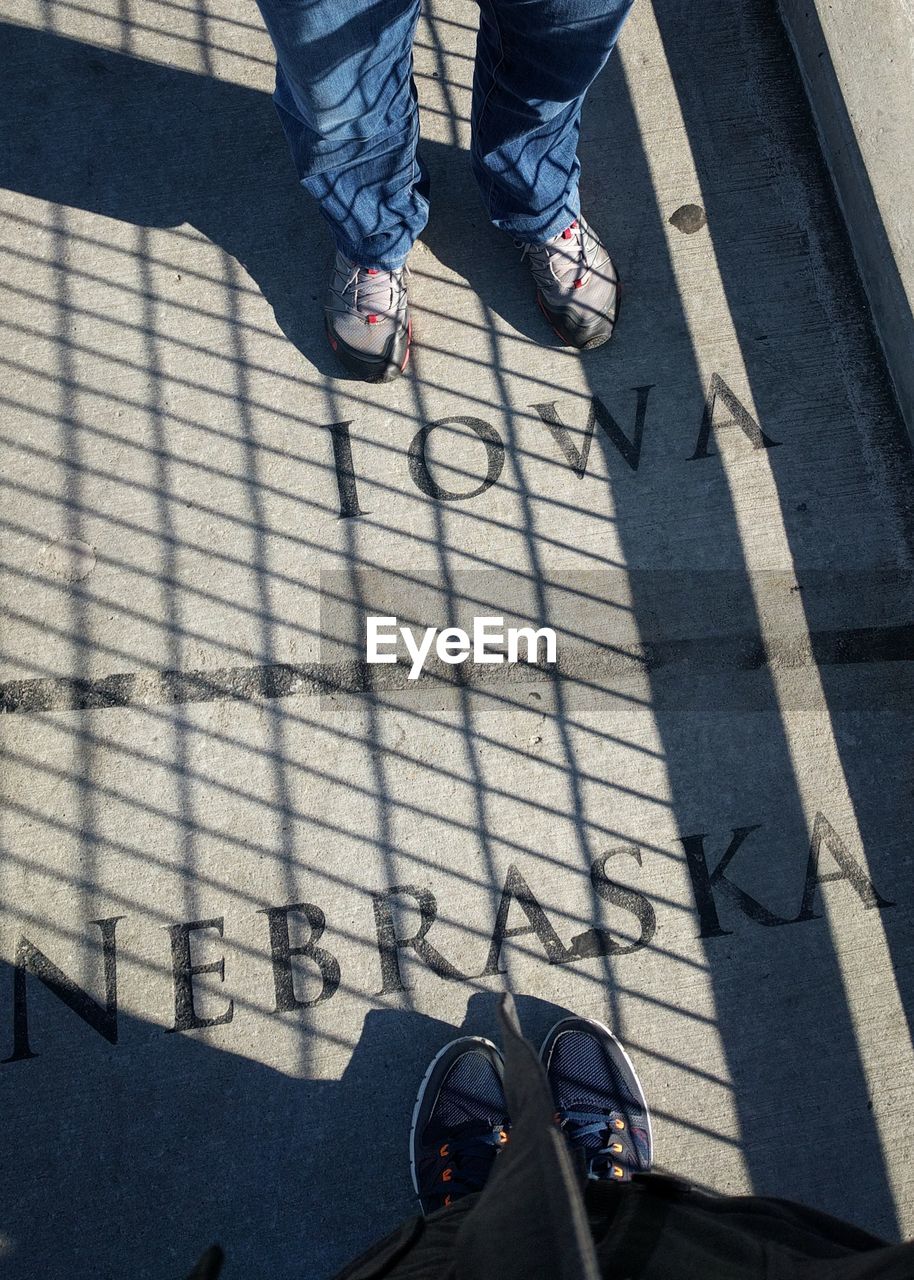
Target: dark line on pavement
[591, 664]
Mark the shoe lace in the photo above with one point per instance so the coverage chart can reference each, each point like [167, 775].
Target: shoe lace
[566, 258]
[614, 1155]
[461, 1165]
[371, 291]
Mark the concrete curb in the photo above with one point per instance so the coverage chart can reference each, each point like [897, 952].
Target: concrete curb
[859, 76]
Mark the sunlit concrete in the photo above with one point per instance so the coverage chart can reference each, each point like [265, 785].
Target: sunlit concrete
[726, 561]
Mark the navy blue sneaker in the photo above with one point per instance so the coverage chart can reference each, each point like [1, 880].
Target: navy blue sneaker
[460, 1122]
[600, 1105]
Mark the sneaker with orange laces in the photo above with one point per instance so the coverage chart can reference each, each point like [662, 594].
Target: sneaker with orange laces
[600, 1105]
[368, 322]
[577, 285]
[460, 1122]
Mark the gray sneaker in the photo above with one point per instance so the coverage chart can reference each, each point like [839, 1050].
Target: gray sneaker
[577, 285]
[368, 322]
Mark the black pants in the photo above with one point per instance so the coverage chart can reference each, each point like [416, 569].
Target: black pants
[540, 1219]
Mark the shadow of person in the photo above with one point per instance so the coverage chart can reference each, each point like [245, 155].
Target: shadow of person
[131, 1158]
[150, 145]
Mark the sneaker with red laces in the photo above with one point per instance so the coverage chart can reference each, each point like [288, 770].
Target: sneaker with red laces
[368, 322]
[577, 285]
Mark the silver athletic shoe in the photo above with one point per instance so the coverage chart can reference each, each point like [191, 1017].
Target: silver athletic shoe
[368, 321]
[577, 285]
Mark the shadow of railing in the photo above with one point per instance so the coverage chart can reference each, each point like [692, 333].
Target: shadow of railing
[163, 777]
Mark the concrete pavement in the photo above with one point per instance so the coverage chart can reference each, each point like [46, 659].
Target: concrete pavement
[696, 829]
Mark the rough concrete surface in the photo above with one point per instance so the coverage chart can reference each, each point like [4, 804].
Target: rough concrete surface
[858, 67]
[728, 568]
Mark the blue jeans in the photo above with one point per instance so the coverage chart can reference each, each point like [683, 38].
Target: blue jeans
[347, 101]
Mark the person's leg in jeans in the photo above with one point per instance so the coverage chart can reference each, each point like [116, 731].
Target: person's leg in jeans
[535, 61]
[347, 102]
